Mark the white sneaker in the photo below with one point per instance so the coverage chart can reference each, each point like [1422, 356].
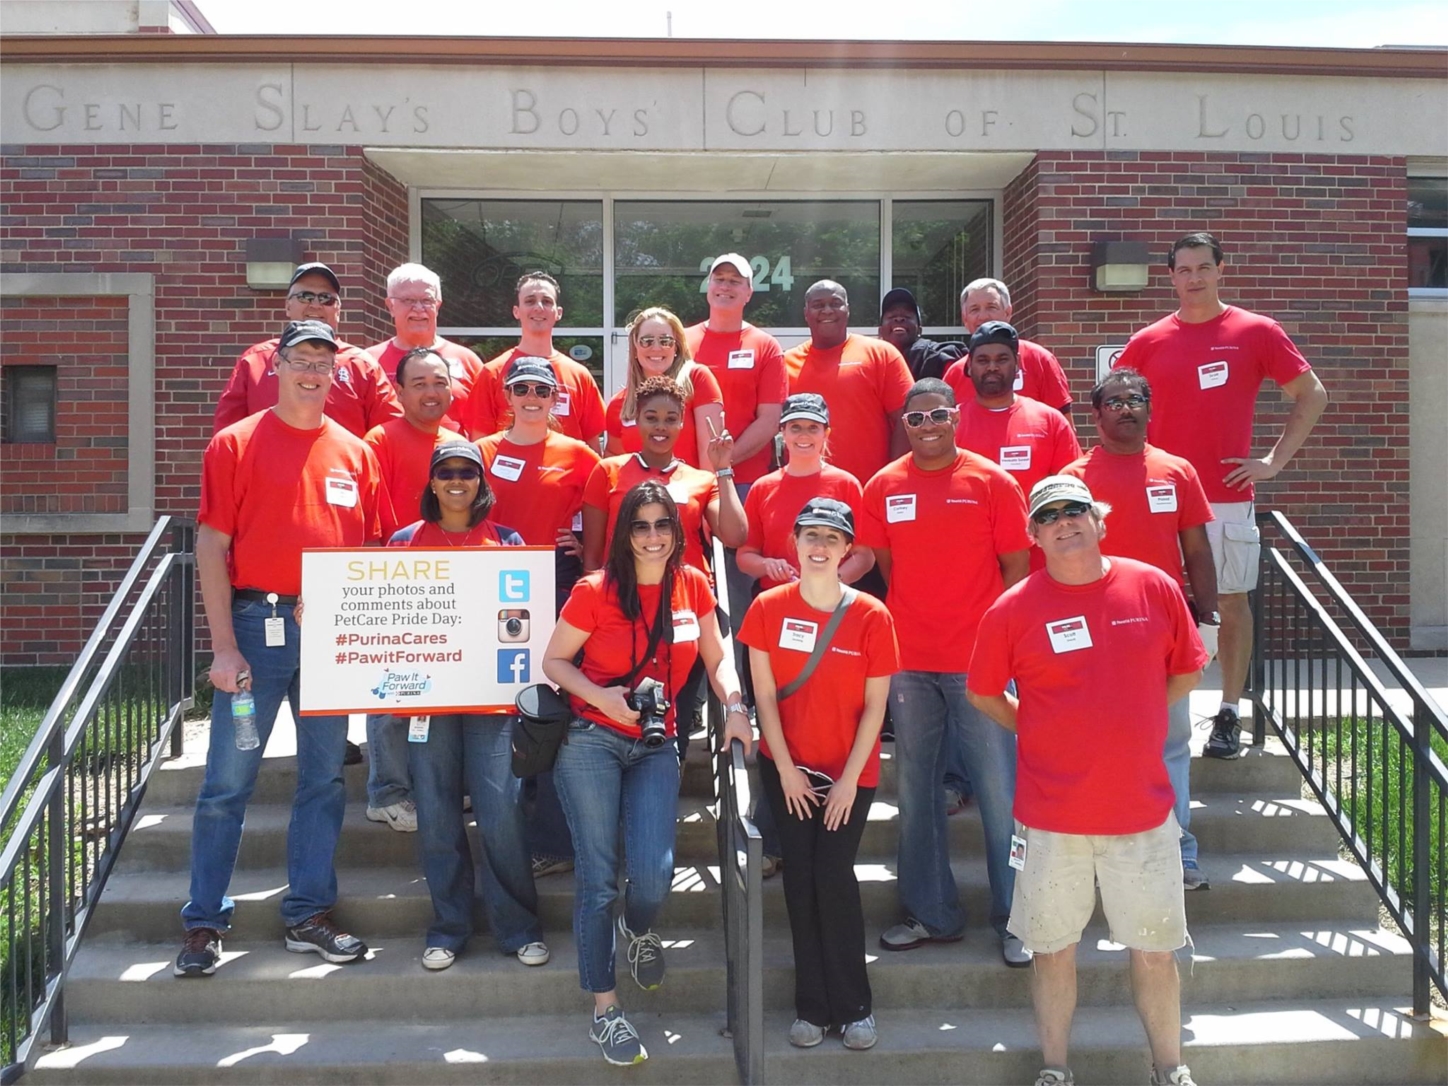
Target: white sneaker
[401, 816]
[533, 954]
[437, 958]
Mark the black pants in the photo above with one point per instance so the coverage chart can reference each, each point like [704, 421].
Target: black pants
[826, 921]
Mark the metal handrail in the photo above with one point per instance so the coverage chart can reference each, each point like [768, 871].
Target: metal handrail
[1373, 768]
[60, 850]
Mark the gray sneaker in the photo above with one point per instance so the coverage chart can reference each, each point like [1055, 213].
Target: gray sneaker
[1193, 877]
[861, 1035]
[645, 957]
[805, 1034]
[1054, 1076]
[618, 1039]
[1180, 1075]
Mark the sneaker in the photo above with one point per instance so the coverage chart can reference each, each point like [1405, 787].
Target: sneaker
[619, 1040]
[805, 1034]
[200, 952]
[955, 802]
[438, 958]
[771, 866]
[861, 1035]
[1054, 1076]
[533, 954]
[401, 816]
[1014, 952]
[911, 934]
[645, 957]
[547, 865]
[353, 755]
[1193, 877]
[1226, 738]
[321, 935]
[1178, 1076]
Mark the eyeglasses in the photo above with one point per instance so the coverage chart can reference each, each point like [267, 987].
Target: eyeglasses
[313, 297]
[417, 303]
[466, 475]
[308, 367]
[1122, 403]
[916, 419]
[664, 526]
[522, 388]
[662, 341]
[1071, 510]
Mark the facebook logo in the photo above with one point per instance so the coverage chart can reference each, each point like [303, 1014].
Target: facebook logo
[513, 585]
[514, 666]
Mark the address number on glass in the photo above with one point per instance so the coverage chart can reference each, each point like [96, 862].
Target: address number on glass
[780, 273]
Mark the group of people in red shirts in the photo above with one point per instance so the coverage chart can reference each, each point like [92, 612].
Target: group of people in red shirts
[932, 550]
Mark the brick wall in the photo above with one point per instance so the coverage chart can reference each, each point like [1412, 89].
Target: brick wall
[182, 214]
[1316, 242]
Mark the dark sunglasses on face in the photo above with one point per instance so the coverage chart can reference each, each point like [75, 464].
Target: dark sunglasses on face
[1121, 403]
[662, 341]
[915, 419]
[313, 297]
[664, 526]
[448, 475]
[1071, 510]
[523, 389]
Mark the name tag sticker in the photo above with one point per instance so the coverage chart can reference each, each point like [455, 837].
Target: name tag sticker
[508, 467]
[341, 492]
[741, 360]
[629, 422]
[560, 405]
[1018, 853]
[686, 627]
[899, 508]
[417, 728]
[577, 525]
[1020, 381]
[454, 368]
[276, 632]
[1162, 498]
[1213, 374]
[1016, 457]
[679, 492]
[1069, 634]
[798, 634]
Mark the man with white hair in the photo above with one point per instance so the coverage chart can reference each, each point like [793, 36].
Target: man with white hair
[1038, 374]
[414, 296]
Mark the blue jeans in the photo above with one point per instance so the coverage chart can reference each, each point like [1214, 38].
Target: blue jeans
[317, 807]
[473, 752]
[387, 777]
[603, 777]
[927, 706]
[1178, 758]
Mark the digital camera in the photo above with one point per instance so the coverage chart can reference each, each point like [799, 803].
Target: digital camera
[648, 700]
[514, 625]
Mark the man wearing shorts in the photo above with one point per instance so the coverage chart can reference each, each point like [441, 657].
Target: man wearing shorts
[1093, 798]
[1206, 362]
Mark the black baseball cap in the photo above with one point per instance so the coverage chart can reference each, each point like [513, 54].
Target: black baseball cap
[805, 405]
[531, 368]
[307, 332]
[826, 513]
[459, 450]
[899, 296]
[319, 269]
[996, 332]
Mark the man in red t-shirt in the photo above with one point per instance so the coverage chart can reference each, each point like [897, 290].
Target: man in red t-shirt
[948, 529]
[1038, 375]
[1207, 362]
[579, 406]
[864, 381]
[1099, 647]
[273, 484]
[361, 396]
[414, 296]
[1159, 514]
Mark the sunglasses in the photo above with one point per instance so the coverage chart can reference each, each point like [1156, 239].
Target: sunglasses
[916, 419]
[523, 389]
[313, 297]
[662, 341]
[1122, 403]
[664, 526]
[1071, 510]
[448, 475]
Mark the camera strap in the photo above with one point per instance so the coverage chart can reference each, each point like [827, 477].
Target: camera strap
[655, 636]
[847, 597]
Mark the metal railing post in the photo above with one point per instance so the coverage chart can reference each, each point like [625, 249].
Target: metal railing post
[1422, 861]
[57, 892]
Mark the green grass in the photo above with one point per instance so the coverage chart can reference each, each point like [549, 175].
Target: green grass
[25, 694]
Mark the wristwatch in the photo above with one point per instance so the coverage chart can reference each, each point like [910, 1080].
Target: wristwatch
[736, 707]
[1211, 618]
[724, 473]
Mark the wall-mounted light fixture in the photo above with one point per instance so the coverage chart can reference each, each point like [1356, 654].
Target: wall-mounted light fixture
[271, 261]
[1120, 266]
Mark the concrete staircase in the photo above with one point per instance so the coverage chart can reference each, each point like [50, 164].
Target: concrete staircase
[1292, 980]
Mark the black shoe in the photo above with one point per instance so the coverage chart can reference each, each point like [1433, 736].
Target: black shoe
[353, 755]
[321, 935]
[1226, 738]
[200, 952]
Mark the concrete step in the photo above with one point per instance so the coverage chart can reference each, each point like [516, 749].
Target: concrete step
[133, 983]
[1352, 1041]
[1247, 888]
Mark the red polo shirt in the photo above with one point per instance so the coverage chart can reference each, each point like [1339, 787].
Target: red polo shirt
[749, 366]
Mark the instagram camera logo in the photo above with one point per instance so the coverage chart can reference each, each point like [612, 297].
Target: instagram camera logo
[514, 665]
[513, 585]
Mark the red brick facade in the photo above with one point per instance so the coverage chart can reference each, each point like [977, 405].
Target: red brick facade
[1315, 241]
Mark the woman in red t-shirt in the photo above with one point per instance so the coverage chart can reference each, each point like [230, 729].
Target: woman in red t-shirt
[639, 622]
[468, 753]
[776, 499]
[821, 745]
[656, 348]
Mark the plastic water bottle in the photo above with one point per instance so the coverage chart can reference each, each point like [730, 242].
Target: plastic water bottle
[243, 720]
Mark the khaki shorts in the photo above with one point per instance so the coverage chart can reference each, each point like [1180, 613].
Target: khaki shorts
[1236, 544]
[1140, 875]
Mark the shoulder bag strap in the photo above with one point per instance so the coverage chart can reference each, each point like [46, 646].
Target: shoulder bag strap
[847, 597]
